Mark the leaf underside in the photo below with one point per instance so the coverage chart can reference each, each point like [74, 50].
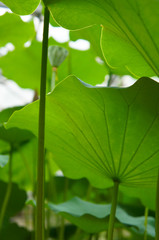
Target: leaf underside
[103, 134]
[22, 7]
[129, 30]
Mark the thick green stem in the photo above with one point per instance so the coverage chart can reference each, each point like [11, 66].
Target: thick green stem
[8, 191]
[40, 210]
[146, 220]
[113, 211]
[157, 210]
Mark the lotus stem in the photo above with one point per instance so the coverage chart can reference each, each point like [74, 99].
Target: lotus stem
[146, 220]
[157, 209]
[8, 191]
[113, 210]
[40, 210]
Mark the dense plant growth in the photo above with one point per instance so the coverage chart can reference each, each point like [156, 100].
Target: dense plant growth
[105, 140]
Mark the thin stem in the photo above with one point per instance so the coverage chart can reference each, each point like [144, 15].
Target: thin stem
[146, 220]
[52, 193]
[157, 209]
[69, 60]
[8, 191]
[40, 214]
[53, 78]
[113, 211]
[62, 227]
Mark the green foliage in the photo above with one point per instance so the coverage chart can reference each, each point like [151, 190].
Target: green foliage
[97, 136]
[22, 7]
[129, 30]
[28, 61]
[19, 31]
[14, 136]
[81, 119]
[93, 218]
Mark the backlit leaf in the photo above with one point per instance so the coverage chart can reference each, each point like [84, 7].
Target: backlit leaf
[104, 134]
[130, 38]
[14, 30]
[22, 7]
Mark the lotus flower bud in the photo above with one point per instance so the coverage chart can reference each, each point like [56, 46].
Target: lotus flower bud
[56, 55]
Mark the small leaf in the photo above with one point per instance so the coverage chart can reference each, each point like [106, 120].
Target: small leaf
[3, 160]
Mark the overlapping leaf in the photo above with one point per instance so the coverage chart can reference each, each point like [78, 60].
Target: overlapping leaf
[129, 35]
[22, 7]
[103, 134]
[94, 217]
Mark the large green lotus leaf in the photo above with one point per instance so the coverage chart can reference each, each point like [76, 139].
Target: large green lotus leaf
[104, 134]
[92, 217]
[14, 30]
[129, 30]
[22, 7]
[92, 34]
